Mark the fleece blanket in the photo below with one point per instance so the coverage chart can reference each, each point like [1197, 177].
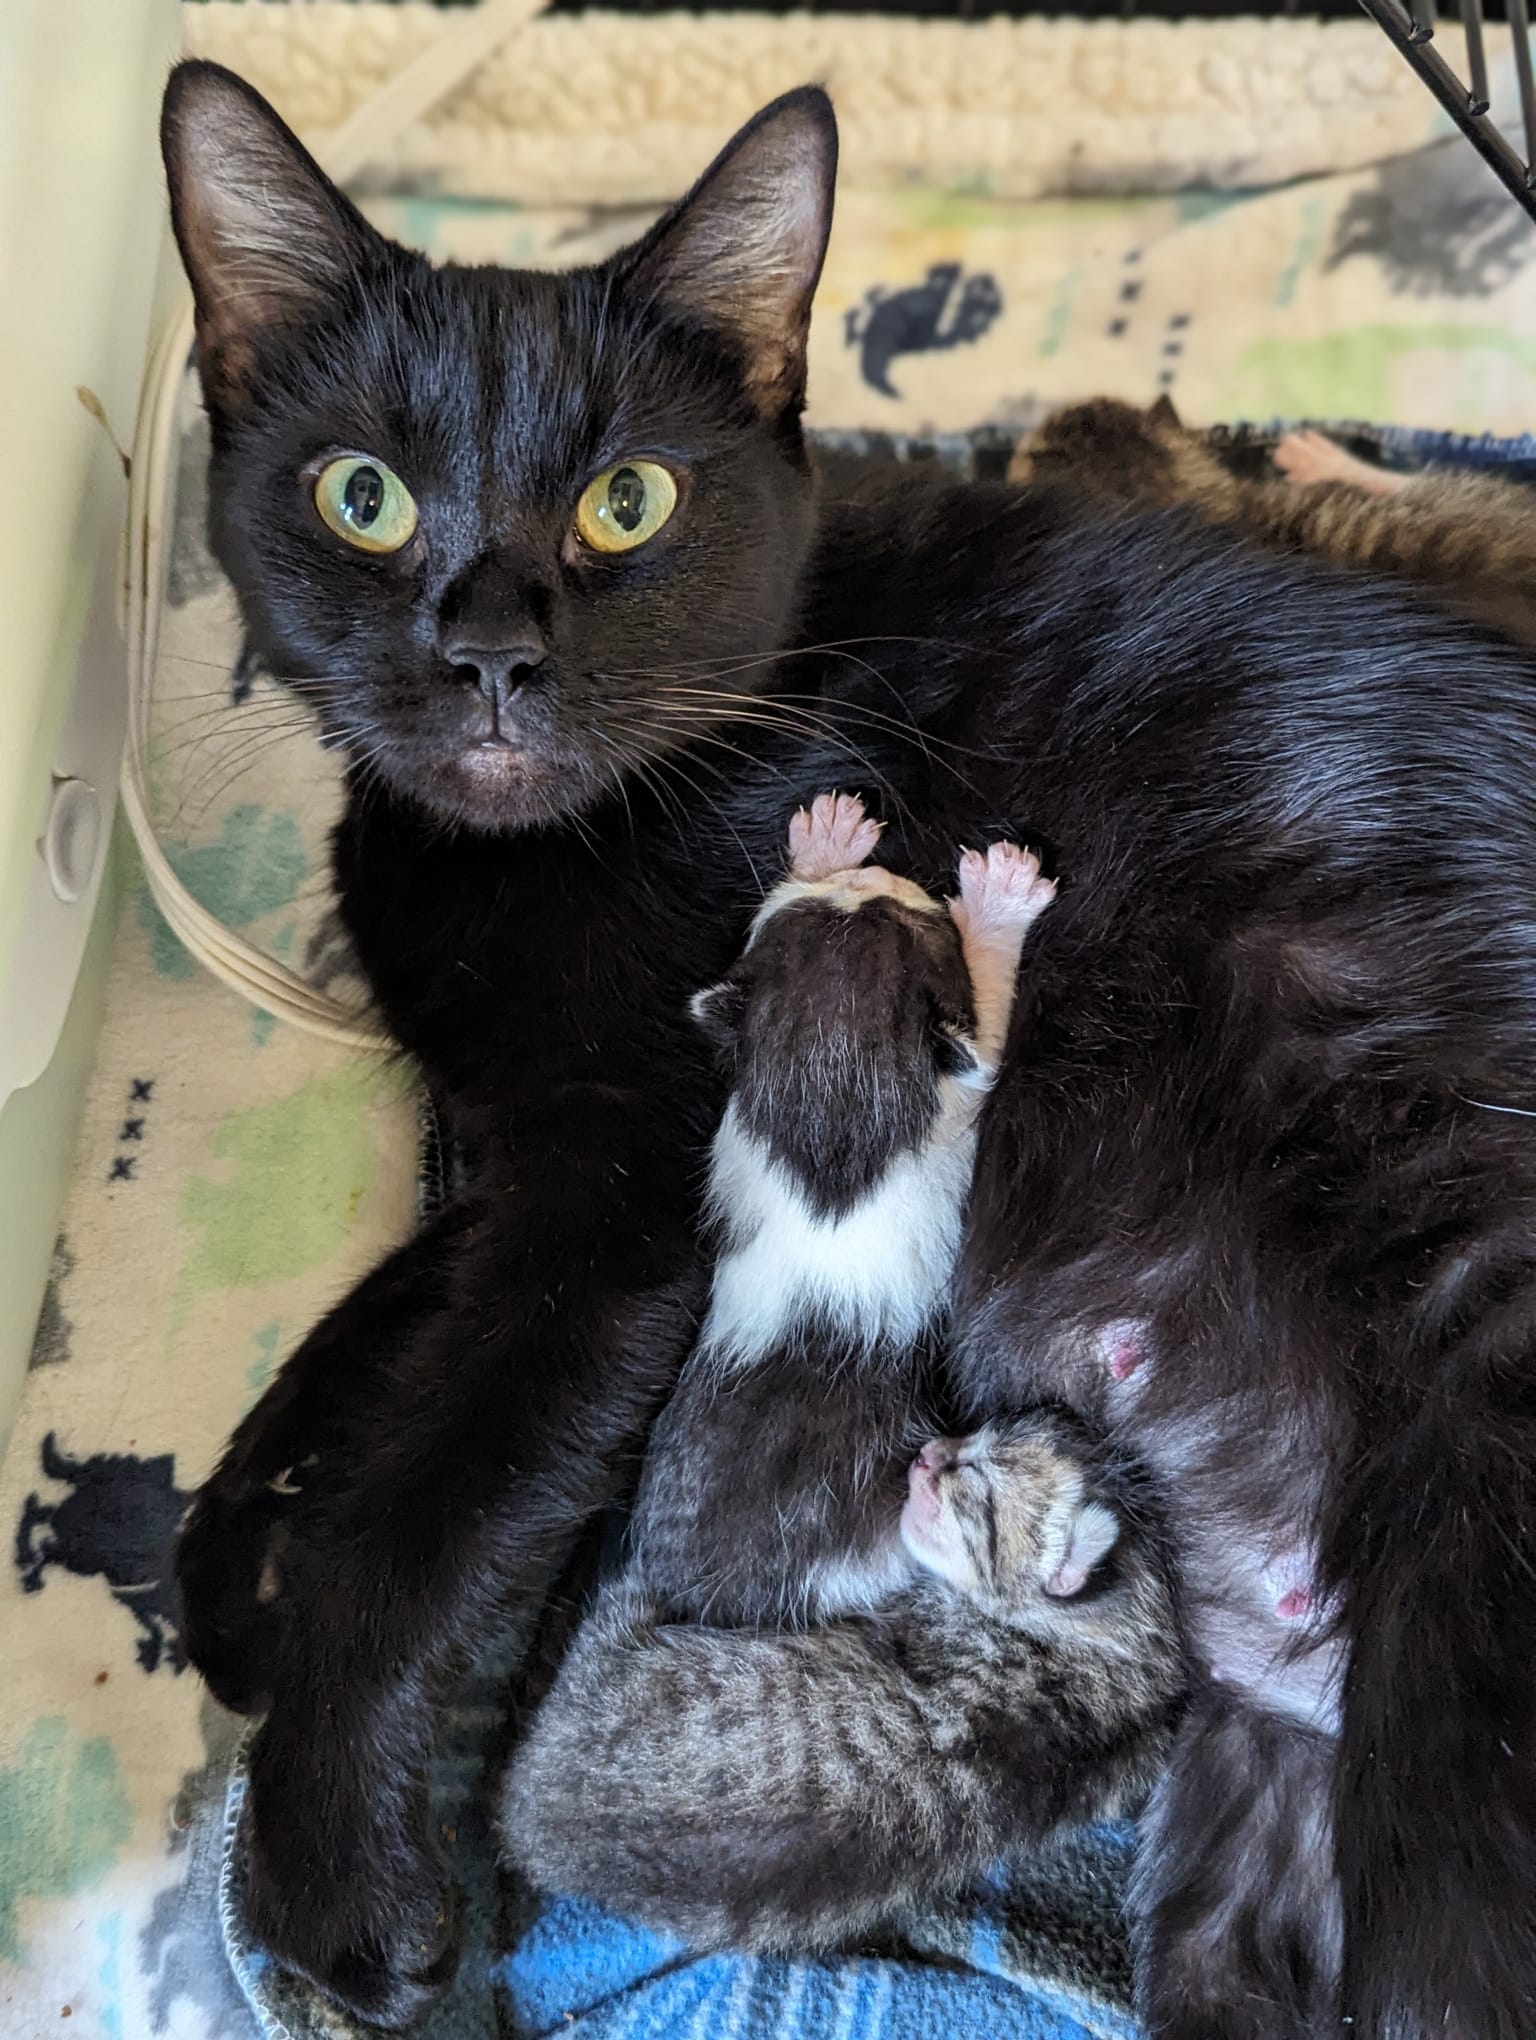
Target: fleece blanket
[613, 107]
[233, 1178]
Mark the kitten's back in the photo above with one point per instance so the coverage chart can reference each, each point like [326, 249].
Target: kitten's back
[789, 1791]
[1468, 539]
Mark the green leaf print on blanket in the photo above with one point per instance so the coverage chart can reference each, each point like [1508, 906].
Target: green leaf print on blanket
[257, 866]
[1353, 373]
[298, 1170]
[63, 1818]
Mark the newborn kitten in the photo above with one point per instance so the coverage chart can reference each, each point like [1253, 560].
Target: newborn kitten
[965, 1691]
[796, 1790]
[1469, 540]
[862, 1026]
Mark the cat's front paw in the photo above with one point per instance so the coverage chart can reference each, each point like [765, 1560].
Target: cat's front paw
[830, 836]
[1001, 888]
[342, 1890]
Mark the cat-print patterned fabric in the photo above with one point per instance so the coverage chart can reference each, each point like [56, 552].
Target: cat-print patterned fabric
[235, 1177]
[1405, 294]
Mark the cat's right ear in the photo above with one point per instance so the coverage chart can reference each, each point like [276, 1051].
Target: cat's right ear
[742, 253]
[266, 238]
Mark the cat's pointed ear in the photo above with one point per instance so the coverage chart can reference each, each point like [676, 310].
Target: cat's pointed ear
[265, 237]
[1164, 412]
[742, 253]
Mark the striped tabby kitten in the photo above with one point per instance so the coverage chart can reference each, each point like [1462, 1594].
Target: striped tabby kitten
[1468, 539]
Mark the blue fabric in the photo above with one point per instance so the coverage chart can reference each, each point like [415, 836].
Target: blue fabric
[580, 1972]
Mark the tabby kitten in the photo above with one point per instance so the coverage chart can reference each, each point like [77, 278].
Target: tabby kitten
[1468, 539]
[796, 1790]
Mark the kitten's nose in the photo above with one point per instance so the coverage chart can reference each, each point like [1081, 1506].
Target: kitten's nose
[938, 1455]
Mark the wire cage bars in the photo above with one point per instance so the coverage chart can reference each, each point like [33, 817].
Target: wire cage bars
[1411, 28]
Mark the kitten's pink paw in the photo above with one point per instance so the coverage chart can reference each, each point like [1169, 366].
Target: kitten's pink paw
[1307, 457]
[1000, 887]
[834, 834]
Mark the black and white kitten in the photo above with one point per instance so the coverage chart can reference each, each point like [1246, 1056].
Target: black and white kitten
[749, 1784]
[550, 558]
[861, 1028]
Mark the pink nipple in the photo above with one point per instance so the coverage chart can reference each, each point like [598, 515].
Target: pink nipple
[1124, 1358]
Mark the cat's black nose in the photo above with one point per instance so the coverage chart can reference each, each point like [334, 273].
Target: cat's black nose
[497, 670]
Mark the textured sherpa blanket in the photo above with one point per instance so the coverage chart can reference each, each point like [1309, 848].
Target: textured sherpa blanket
[603, 108]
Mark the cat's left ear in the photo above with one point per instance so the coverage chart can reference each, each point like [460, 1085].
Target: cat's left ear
[266, 238]
[742, 253]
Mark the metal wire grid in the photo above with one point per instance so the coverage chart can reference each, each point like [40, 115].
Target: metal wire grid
[1412, 29]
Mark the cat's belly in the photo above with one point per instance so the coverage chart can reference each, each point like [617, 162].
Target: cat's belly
[1240, 1477]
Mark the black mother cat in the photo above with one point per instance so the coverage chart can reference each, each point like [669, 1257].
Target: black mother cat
[548, 555]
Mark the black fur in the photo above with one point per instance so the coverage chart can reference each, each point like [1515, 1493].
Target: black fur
[1277, 1031]
[817, 979]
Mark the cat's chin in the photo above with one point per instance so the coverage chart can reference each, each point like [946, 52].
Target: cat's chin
[499, 789]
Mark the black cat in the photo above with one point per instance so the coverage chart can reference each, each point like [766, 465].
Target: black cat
[1254, 1188]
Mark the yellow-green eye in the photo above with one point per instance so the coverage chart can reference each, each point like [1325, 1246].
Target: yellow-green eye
[625, 506]
[366, 503]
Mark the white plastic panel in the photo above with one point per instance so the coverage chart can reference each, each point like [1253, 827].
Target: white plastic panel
[81, 243]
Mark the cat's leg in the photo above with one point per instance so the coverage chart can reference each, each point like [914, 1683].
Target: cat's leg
[230, 1582]
[1436, 1533]
[1235, 1894]
[459, 1481]
[1347, 1838]
[1002, 895]
[1307, 457]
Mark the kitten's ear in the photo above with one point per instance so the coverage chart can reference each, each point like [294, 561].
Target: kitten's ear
[1164, 413]
[719, 1010]
[1093, 1536]
[742, 253]
[265, 237]
[954, 1049]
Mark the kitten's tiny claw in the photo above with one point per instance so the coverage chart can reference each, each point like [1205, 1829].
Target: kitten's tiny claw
[1000, 887]
[833, 835]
